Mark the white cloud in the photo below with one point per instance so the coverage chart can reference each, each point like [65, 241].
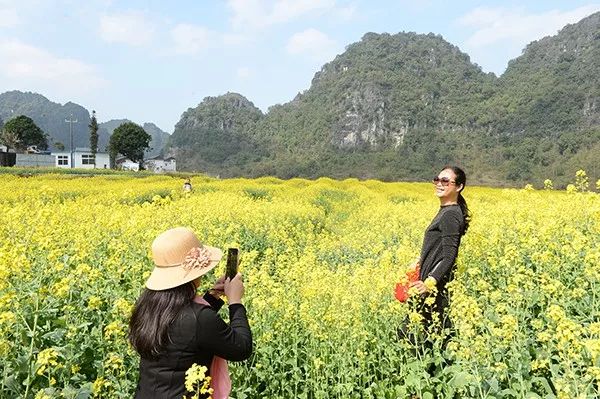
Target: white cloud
[31, 67]
[259, 14]
[313, 43]
[285, 10]
[243, 72]
[496, 24]
[191, 39]
[131, 28]
[234, 39]
[8, 17]
[246, 12]
[346, 13]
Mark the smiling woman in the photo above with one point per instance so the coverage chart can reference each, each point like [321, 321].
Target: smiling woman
[440, 245]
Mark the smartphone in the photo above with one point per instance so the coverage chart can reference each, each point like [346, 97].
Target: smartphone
[232, 262]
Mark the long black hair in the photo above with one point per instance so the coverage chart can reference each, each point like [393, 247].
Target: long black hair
[461, 178]
[154, 311]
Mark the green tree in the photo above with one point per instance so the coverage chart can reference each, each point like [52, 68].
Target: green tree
[9, 139]
[25, 133]
[93, 136]
[129, 140]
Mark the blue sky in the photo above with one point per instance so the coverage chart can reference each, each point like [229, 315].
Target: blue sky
[149, 61]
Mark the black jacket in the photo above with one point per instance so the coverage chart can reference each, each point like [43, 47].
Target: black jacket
[440, 245]
[196, 335]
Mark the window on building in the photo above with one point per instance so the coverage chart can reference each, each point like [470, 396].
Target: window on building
[62, 160]
[87, 159]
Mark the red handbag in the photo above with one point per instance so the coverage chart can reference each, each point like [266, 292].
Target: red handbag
[402, 289]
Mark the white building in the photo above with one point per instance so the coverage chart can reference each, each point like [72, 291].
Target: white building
[160, 165]
[82, 158]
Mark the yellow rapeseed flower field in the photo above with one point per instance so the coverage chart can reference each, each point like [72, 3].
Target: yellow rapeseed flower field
[320, 260]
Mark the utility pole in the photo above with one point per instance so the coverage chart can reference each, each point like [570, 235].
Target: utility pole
[70, 121]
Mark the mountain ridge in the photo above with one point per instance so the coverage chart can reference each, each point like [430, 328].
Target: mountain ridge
[398, 106]
[53, 118]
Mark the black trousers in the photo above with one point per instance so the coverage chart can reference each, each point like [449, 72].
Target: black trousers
[435, 321]
[435, 316]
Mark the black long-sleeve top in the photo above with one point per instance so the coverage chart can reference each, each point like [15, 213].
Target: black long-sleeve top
[440, 245]
[197, 334]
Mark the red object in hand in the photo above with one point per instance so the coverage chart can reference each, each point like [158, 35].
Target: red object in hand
[401, 292]
[402, 289]
[413, 275]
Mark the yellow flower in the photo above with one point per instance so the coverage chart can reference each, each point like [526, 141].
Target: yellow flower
[415, 317]
[114, 362]
[430, 284]
[593, 347]
[539, 364]
[46, 359]
[123, 307]
[197, 381]
[114, 330]
[99, 385]
[7, 317]
[94, 303]
[62, 287]
[42, 395]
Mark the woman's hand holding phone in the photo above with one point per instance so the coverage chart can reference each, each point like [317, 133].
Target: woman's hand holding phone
[234, 289]
[218, 287]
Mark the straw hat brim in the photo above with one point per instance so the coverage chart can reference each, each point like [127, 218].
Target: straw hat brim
[163, 278]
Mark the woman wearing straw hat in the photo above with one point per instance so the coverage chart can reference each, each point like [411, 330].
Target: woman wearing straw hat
[172, 328]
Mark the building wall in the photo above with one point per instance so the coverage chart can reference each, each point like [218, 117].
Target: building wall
[102, 160]
[38, 160]
[61, 156]
[170, 166]
[160, 166]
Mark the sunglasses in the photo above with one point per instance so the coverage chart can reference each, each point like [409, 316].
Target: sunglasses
[444, 180]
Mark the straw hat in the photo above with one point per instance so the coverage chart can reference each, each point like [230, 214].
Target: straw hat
[179, 257]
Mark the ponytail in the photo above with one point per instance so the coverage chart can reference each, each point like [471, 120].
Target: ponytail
[465, 211]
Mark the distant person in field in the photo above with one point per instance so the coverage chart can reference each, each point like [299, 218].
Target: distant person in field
[187, 186]
[440, 245]
[172, 327]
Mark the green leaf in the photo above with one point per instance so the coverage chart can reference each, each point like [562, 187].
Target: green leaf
[412, 380]
[532, 395]
[55, 335]
[461, 379]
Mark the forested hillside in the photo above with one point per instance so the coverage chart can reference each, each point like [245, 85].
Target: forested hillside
[399, 106]
[217, 136]
[52, 118]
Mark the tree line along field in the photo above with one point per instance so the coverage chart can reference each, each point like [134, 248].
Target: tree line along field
[320, 261]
